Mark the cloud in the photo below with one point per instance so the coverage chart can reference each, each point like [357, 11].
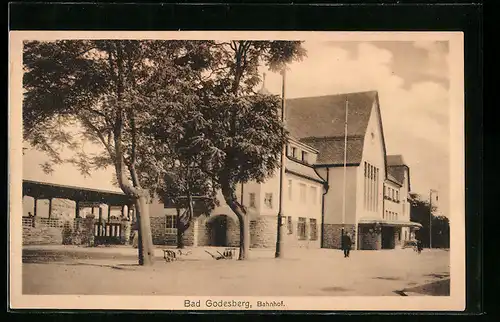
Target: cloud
[437, 64]
[415, 118]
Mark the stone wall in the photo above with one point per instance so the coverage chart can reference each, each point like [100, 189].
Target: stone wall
[332, 237]
[42, 236]
[370, 240]
[158, 230]
[160, 236]
[233, 233]
[263, 232]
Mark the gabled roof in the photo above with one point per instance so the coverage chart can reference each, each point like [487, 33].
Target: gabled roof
[324, 116]
[320, 122]
[332, 149]
[395, 160]
[396, 173]
[393, 179]
[396, 166]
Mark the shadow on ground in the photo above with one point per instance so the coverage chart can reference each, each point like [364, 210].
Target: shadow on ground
[438, 288]
[50, 256]
[335, 289]
[387, 278]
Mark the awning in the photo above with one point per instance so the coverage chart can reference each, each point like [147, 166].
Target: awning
[390, 223]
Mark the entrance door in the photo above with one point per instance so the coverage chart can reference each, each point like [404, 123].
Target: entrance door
[388, 236]
[219, 229]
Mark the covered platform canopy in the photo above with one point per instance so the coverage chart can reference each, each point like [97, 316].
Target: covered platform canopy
[42, 190]
[84, 197]
[390, 223]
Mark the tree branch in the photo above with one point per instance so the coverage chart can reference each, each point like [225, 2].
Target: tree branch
[105, 142]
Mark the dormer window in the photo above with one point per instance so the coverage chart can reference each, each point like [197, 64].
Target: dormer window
[304, 156]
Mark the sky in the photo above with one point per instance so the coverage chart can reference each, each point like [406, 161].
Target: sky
[412, 80]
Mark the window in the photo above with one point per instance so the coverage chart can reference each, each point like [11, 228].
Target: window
[301, 228]
[392, 194]
[294, 152]
[290, 191]
[314, 229]
[171, 224]
[304, 156]
[252, 200]
[289, 225]
[268, 200]
[397, 195]
[302, 192]
[312, 195]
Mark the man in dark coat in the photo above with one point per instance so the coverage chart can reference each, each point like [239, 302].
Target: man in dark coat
[346, 244]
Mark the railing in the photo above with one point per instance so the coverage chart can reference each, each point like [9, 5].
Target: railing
[42, 222]
[108, 233]
[28, 221]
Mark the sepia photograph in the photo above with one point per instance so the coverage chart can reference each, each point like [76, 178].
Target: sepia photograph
[237, 170]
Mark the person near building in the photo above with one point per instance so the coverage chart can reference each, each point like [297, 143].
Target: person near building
[346, 244]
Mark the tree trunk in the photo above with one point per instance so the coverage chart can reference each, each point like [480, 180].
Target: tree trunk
[145, 247]
[180, 230]
[229, 194]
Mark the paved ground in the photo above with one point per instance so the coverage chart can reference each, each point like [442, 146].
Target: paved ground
[322, 272]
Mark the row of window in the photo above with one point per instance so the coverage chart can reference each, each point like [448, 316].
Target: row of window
[302, 228]
[297, 154]
[371, 185]
[304, 196]
[390, 215]
[391, 194]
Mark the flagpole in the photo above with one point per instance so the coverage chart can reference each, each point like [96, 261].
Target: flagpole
[345, 167]
[279, 237]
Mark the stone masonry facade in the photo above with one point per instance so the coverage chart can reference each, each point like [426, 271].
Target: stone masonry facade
[333, 235]
[370, 238]
[263, 232]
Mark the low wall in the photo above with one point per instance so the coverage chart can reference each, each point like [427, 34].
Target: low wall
[55, 231]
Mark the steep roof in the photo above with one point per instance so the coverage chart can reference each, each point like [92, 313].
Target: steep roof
[319, 122]
[324, 116]
[392, 178]
[332, 149]
[395, 160]
[397, 173]
[396, 167]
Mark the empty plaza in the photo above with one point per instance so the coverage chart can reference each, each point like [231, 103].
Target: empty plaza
[57, 270]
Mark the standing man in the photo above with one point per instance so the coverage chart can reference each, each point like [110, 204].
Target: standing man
[346, 244]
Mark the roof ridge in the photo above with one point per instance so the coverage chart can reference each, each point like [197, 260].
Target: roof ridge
[332, 95]
[332, 138]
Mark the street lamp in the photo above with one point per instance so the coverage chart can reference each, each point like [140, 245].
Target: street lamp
[279, 237]
[345, 174]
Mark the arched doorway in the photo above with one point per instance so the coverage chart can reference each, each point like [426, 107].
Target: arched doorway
[219, 230]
